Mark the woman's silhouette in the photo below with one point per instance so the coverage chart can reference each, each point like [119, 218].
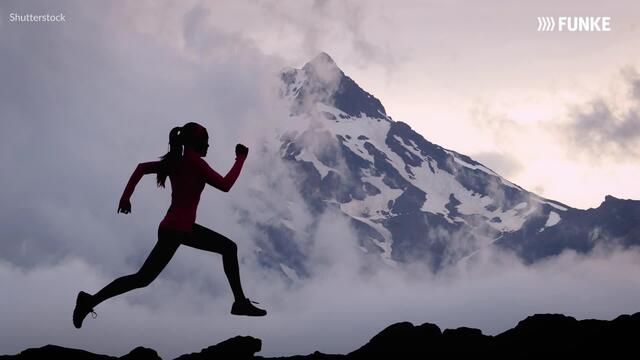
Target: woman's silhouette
[188, 173]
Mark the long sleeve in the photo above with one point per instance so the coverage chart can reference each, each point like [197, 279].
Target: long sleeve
[216, 180]
[141, 169]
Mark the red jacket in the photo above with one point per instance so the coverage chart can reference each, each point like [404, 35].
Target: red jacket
[187, 183]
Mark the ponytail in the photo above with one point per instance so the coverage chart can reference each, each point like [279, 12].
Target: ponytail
[170, 159]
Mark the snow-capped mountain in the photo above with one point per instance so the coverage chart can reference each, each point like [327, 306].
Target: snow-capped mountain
[407, 198]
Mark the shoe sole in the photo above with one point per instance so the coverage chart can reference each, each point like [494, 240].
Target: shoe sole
[253, 315]
[236, 312]
[76, 310]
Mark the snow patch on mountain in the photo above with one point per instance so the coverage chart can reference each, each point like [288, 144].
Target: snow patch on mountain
[358, 133]
[553, 219]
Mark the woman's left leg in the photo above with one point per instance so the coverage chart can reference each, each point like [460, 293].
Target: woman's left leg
[166, 246]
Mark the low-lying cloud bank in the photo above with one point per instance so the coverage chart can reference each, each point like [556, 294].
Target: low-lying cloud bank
[337, 310]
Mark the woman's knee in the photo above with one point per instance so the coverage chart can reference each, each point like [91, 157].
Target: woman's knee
[142, 279]
[231, 247]
[228, 248]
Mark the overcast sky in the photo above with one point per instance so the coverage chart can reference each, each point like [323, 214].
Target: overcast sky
[82, 102]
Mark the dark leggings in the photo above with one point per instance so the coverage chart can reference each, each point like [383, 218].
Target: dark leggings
[168, 242]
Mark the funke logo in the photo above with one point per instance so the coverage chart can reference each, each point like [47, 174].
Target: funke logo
[574, 23]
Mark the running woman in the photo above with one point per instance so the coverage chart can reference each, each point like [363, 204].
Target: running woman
[188, 174]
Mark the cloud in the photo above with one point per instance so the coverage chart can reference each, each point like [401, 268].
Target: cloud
[84, 110]
[504, 164]
[335, 311]
[607, 127]
[308, 27]
[497, 124]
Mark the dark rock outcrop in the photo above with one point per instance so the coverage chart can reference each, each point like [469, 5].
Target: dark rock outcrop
[59, 352]
[239, 347]
[537, 334]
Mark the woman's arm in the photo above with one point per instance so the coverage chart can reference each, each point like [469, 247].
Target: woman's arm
[216, 180]
[142, 169]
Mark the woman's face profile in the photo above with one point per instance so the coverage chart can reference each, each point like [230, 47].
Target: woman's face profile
[203, 143]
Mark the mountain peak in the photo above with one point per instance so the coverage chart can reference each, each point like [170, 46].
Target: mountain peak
[321, 80]
[608, 198]
[323, 70]
[321, 59]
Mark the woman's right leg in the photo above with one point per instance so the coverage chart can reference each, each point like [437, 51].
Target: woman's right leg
[206, 239]
[163, 251]
[209, 240]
